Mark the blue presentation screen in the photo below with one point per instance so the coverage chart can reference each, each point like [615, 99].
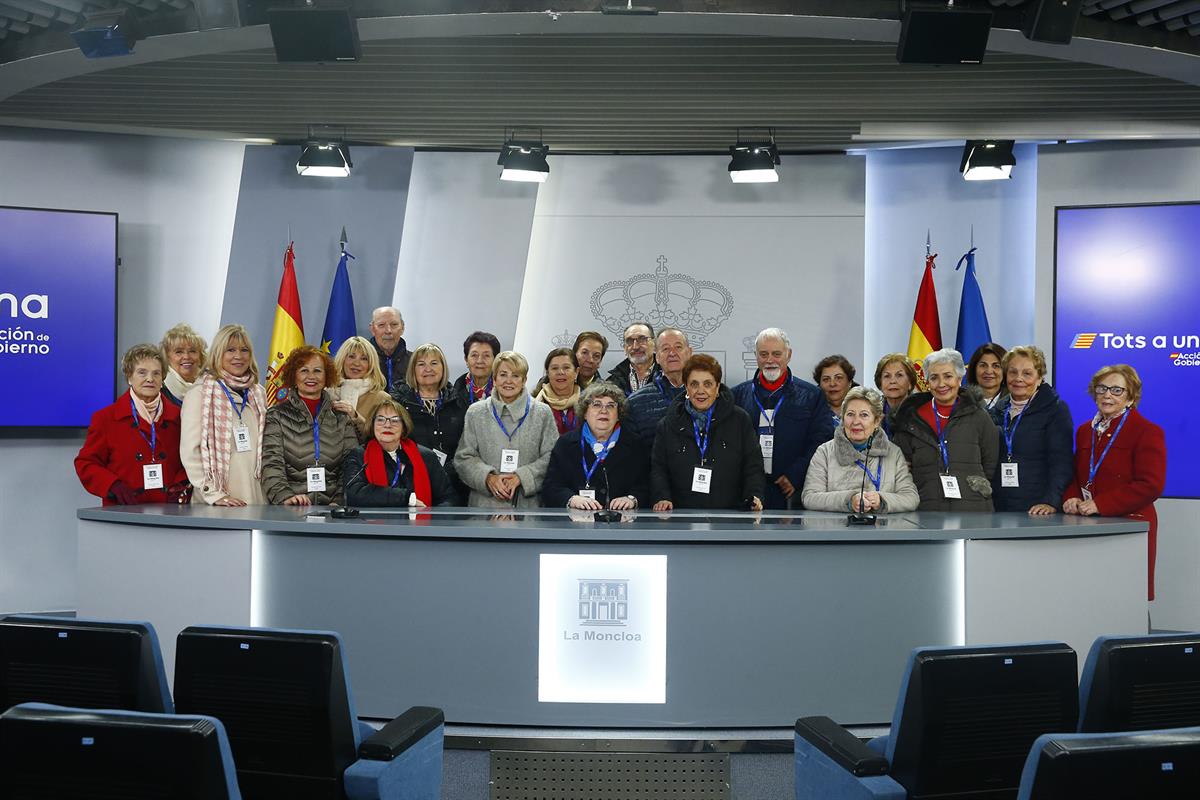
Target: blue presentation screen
[1127, 291]
[58, 316]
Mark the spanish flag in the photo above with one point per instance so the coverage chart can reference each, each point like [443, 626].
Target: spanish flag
[926, 334]
[288, 333]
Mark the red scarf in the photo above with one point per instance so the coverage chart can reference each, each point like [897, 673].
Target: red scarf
[376, 465]
[773, 386]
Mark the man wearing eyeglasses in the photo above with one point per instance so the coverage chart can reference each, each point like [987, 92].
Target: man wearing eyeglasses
[639, 367]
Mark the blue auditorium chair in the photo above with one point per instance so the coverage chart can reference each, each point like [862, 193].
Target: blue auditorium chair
[1137, 683]
[1139, 765]
[285, 698]
[49, 751]
[83, 663]
[964, 721]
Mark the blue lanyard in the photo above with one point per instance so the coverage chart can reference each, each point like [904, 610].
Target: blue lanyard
[877, 478]
[1093, 464]
[1010, 433]
[317, 434]
[389, 360]
[153, 440]
[232, 402]
[937, 421]
[774, 412]
[600, 455]
[887, 429]
[471, 388]
[565, 415]
[396, 474]
[528, 405]
[702, 447]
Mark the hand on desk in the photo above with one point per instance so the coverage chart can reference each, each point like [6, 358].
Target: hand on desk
[583, 503]
[230, 500]
[664, 505]
[298, 500]
[785, 486]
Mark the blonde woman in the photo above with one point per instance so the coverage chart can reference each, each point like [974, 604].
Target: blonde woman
[221, 440]
[359, 383]
[184, 351]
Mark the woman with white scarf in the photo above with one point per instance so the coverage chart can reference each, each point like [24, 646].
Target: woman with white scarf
[360, 383]
[559, 389]
[184, 351]
[221, 446]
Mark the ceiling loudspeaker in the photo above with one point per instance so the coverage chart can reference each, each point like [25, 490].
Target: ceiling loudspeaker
[1051, 21]
[943, 35]
[314, 34]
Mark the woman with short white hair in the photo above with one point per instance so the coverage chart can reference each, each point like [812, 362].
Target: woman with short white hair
[859, 469]
[948, 438]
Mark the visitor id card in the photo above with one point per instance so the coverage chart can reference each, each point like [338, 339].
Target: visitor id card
[1008, 474]
[766, 442]
[241, 438]
[316, 479]
[509, 460]
[701, 480]
[950, 487]
[152, 476]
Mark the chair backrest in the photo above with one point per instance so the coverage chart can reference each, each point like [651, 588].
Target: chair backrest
[1138, 683]
[82, 663]
[1155, 765]
[967, 716]
[51, 751]
[285, 700]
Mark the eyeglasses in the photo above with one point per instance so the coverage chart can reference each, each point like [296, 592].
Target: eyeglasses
[1115, 391]
[598, 406]
[632, 340]
[394, 421]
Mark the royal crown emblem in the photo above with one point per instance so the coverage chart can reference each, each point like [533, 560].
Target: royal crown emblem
[564, 339]
[664, 300]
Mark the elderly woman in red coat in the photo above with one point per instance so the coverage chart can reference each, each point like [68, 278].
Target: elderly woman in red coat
[1120, 456]
[131, 454]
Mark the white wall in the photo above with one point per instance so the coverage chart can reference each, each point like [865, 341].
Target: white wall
[462, 258]
[1102, 174]
[176, 201]
[789, 254]
[911, 192]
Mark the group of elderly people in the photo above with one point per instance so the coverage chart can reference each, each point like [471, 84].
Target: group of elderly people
[661, 431]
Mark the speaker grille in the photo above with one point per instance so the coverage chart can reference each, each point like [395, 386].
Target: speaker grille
[608, 776]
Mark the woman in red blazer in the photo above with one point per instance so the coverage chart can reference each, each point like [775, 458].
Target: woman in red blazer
[131, 454]
[1120, 456]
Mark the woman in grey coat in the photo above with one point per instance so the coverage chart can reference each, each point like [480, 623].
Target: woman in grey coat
[948, 438]
[506, 441]
[859, 455]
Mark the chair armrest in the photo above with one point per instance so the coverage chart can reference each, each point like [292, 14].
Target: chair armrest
[401, 733]
[841, 746]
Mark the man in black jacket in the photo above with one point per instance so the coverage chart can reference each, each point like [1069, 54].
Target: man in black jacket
[639, 367]
[387, 334]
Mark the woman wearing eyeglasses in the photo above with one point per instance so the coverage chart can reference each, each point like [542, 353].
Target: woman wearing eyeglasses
[393, 470]
[1120, 457]
[594, 466]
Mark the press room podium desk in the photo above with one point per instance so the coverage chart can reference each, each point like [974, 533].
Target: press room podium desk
[769, 617]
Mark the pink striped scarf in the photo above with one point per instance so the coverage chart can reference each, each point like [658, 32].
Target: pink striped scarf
[217, 421]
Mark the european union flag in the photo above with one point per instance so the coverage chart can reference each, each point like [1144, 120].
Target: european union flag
[973, 327]
[339, 319]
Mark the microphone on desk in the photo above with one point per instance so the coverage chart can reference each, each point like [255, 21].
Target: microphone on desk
[858, 517]
[346, 511]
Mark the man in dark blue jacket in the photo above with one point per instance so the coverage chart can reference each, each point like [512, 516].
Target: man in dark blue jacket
[647, 406]
[790, 414]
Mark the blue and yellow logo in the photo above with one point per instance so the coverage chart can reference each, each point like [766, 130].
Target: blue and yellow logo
[1083, 341]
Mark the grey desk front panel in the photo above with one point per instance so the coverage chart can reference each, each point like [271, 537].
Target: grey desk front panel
[759, 634]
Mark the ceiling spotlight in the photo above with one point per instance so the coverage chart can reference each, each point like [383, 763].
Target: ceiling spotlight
[987, 160]
[324, 157]
[108, 33]
[753, 160]
[523, 159]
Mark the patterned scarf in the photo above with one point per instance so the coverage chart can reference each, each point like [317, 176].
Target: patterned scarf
[217, 421]
[1100, 424]
[148, 411]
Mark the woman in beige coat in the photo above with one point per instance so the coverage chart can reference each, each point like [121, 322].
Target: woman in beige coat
[860, 456]
[359, 383]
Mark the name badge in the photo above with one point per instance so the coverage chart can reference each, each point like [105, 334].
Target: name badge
[950, 487]
[701, 480]
[1008, 474]
[441, 456]
[1087, 494]
[587, 494]
[509, 459]
[241, 438]
[766, 442]
[316, 479]
[152, 476]
[766, 418]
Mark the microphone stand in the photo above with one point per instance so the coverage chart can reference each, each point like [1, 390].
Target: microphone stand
[859, 517]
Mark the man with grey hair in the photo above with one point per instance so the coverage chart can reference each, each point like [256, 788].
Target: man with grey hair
[790, 415]
[639, 367]
[387, 334]
[648, 405]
